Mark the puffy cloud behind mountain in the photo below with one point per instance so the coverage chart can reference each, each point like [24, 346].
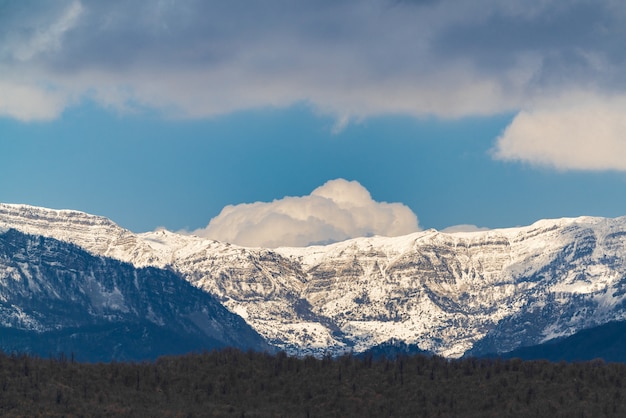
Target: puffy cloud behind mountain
[335, 211]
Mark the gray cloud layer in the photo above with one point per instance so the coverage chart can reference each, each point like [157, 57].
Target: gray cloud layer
[348, 58]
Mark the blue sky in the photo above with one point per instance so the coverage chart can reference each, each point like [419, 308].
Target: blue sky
[161, 114]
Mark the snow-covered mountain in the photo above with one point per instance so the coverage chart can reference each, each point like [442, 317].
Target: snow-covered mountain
[57, 298]
[479, 292]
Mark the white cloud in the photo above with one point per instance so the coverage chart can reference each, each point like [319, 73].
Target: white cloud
[30, 102]
[575, 132]
[336, 211]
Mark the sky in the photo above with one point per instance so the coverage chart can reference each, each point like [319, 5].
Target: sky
[294, 123]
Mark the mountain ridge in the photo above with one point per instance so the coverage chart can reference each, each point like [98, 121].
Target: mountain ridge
[57, 298]
[448, 293]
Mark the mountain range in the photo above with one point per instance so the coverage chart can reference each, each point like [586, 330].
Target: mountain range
[450, 294]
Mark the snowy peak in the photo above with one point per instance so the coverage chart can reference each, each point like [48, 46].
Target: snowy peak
[30, 219]
[56, 297]
[96, 234]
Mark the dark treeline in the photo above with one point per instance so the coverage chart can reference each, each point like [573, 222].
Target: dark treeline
[240, 384]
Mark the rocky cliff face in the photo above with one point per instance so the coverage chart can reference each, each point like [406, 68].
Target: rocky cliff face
[448, 293]
[95, 234]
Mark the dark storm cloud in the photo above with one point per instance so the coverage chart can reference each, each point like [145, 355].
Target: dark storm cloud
[348, 58]
[189, 33]
[573, 42]
[503, 32]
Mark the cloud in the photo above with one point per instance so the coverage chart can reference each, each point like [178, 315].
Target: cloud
[351, 59]
[30, 102]
[463, 228]
[576, 132]
[336, 211]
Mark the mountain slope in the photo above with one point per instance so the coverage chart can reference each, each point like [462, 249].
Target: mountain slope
[607, 341]
[447, 292]
[488, 291]
[55, 297]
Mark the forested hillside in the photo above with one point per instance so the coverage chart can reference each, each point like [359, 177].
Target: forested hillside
[238, 384]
